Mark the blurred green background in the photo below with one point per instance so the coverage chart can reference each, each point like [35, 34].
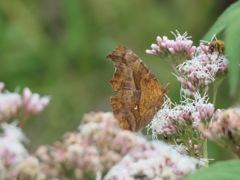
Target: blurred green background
[58, 48]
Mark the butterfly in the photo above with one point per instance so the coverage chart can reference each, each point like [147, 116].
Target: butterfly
[140, 95]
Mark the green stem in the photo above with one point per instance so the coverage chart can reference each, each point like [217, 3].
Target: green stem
[215, 89]
[174, 66]
[205, 152]
[216, 84]
[23, 121]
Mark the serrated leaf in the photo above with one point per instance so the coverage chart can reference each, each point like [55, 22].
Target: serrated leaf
[232, 41]
[218, 171]
[223, 20]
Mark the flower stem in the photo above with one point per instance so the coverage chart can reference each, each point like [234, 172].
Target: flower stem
[23, 121]
[215, 89]
[174, 67]
[205, 152]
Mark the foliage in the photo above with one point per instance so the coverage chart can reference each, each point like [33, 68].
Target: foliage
[218, 171]
[229, 22]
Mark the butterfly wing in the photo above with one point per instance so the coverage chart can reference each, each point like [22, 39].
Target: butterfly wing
[140, 94]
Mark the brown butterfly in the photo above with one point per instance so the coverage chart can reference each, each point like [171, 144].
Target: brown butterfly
[140, 94]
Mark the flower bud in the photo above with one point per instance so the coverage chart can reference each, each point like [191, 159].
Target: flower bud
[33, 103]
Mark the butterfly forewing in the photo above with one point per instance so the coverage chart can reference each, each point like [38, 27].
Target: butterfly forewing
[140, 94]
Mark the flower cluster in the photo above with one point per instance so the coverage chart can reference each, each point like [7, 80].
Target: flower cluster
[13, 105]
[99, 150]
[93, 150]
[11, 153]
[33, 103]
[158, 161]
[29, 168]
[179, 123]
[200, 66]
[12, 150]
[180, 46]
[224, 129]
[202, 69]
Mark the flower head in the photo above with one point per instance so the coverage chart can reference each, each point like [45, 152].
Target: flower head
[190, 112]
[224, 129]
[97, 146]
[179, 123]
[10, 104]
[12, 150]
[202, 69]
[33, 103]
[158, 161]
[180, 46]
[28, 169]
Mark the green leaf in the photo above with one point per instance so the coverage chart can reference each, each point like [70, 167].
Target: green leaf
[221, 23]
[232, 41]
[229, 21]
[218, 171]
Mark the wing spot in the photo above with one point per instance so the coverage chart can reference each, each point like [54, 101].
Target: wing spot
[136, 107]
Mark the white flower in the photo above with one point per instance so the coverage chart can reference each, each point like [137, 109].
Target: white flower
[161, 161]
[13, 133]
[9, 105]
[190, 110]
[11, 147]
[89, 128]
[201, 70]
[196, 70]
[33, 103]
[75, 148]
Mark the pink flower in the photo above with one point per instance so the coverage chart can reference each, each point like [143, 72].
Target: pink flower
[97, 146]
[172, 121]
[33, 103]
[204, 68]
[158, 161]
[12, 150]
[202, 48]
[181, 45]
[29, 168]
[170, 116]
[10, 104]
[224, 129]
